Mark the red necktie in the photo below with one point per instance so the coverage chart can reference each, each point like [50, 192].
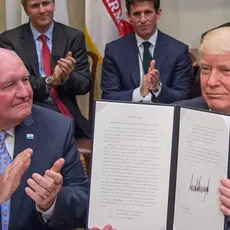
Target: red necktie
[46, 58]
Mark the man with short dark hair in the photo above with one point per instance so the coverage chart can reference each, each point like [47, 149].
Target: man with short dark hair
[56, 58]
[147, 65]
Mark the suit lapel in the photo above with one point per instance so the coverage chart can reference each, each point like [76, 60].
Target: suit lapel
[22, 142]
[58, 44]
[28, 44]
[161, 50]
[205, 105]
[133, 59]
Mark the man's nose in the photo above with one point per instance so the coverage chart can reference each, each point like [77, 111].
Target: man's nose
[22, 90]
[41, 8]
[213, 78]
[142, 17]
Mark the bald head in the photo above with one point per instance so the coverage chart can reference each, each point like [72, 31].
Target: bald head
[9, 60]
[15, 91]
[216, 41]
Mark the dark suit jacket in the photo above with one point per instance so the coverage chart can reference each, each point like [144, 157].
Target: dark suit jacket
[194, 103]
[53, 139]
[121, 73]
[65, 39]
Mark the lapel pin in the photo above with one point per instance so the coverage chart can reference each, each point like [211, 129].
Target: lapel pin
[29, 136]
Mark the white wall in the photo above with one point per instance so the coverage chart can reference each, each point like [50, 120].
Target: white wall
[186, 20]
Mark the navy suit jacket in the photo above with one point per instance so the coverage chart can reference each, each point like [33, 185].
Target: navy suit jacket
[53, 139]
[198, 103]
[121, 73]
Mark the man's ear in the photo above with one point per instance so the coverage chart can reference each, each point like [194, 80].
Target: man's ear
[54, 5]
[26, 11]
[159, 13]
[129, 18]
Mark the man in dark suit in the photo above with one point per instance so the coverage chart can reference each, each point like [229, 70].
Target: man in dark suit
[215, 86]
[42, 181]
[127, 74]
[56, 59]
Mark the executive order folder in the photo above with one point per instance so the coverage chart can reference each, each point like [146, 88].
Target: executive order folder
[157, 167]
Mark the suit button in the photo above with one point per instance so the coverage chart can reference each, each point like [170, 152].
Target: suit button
[61, 222]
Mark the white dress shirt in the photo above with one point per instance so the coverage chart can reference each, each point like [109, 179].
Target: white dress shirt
[10, 141]
[136, 93]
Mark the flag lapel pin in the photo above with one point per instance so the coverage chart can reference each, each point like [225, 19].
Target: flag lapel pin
[29, 136]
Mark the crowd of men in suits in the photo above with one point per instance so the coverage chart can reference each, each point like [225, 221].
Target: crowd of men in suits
[44, 66]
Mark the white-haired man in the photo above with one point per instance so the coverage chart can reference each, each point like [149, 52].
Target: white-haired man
[41, 174]
[214, 61]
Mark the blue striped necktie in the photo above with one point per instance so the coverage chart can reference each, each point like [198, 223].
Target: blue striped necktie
[5, 160]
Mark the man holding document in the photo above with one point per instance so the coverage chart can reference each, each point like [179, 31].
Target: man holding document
[136, 191]
[215, 85]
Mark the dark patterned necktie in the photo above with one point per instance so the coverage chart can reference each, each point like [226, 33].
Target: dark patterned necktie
[5, 160]
[147, 57]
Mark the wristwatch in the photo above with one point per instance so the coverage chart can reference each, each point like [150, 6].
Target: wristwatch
[49, 80]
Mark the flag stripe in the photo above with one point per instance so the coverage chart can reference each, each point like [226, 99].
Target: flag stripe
[91, 45]
[105, 22]
[100, 27]
[112, 14]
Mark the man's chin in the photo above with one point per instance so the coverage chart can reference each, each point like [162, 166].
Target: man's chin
[218, 106]
[24, 112]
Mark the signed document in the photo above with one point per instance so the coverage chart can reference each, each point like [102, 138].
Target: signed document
[202, 161]
[157, 167]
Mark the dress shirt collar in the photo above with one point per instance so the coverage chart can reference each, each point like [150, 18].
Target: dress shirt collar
[48, 33]
[152, 39]
[10, 131]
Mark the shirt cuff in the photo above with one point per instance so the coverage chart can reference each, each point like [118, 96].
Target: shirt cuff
[158, 92]
[47, 214]
[138, 98]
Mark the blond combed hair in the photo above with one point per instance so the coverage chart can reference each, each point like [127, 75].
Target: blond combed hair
[24, 4]
[216, 42]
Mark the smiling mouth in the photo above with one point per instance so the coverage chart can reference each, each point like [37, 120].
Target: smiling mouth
[43, 16]
[214, 95]
[21, 104]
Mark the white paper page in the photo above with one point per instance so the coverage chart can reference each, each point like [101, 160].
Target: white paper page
[202, 162]
[131, 163]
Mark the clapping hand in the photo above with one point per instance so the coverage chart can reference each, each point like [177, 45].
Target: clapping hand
[10, 179]
[44, 189]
